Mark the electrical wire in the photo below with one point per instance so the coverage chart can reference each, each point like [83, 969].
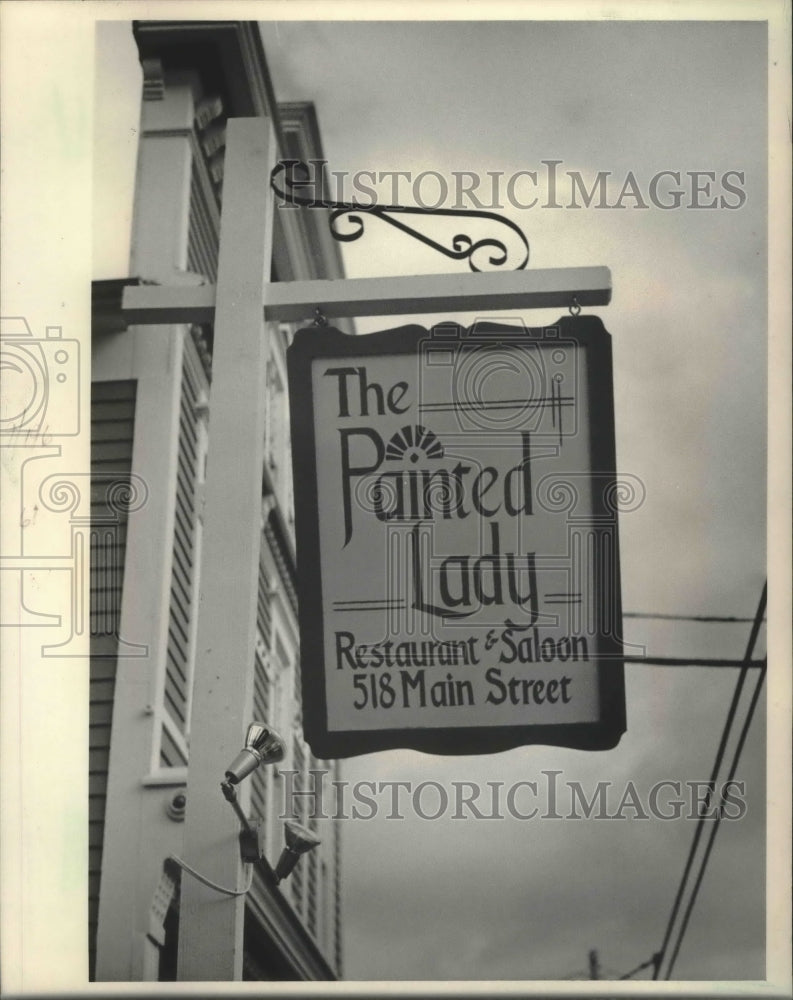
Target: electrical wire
[213, 885]
[716, 767]
[653, 960]
[715, 827]
[686, 618]
[690, 661]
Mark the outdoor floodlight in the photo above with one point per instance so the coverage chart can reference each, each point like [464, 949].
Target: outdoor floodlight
[263, 745]
[299, 841]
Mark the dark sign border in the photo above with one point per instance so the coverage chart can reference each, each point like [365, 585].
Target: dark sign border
[326, 342]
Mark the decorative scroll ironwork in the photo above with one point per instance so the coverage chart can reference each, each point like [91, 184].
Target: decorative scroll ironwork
[294, 174]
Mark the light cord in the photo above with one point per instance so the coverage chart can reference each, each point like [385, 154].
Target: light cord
[209, 883]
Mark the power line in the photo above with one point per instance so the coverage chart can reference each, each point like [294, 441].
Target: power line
[686, 618]
[715, 827]
[716, 766]
[691, 661]
[654, 960]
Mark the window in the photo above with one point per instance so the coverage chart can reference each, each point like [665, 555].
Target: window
[183, 607]
[277, 440]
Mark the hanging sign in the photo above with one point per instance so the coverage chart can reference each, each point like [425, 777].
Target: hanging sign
[457, 548]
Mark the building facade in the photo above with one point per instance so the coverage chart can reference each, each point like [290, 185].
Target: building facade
[151, 409]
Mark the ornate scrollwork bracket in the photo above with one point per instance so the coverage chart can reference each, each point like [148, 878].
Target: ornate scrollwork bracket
[290, 176]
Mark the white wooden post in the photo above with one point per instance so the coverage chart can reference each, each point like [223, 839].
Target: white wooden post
[211, 924]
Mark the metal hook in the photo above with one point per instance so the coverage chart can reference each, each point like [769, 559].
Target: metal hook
[575, 307]
[319, 318]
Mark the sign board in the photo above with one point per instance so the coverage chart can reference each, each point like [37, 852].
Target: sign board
[457, 547]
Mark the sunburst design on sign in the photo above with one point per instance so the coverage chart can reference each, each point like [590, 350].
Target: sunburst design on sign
[412, 442]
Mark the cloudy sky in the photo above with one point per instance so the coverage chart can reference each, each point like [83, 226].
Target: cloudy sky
[525, 900]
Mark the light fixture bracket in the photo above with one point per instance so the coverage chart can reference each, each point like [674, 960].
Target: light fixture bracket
[252, 842]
